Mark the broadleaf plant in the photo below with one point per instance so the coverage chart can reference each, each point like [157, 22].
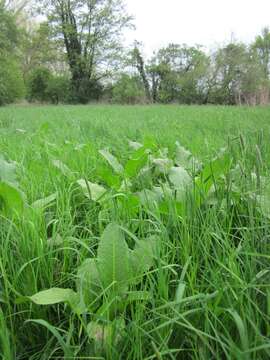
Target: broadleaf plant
[104, 283]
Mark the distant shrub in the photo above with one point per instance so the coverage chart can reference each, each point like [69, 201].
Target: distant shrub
[58, 89]
[46, 87]
[86, 90]
[128, 90]
[11, 81]
[37, 84]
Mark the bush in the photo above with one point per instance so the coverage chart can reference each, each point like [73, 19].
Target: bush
[128, 90]
[11, 81]
[37, 84]
[84, 90]
[58, 89]
[45, 87]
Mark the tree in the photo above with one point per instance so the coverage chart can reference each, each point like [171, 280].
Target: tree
[175, 73]
[8, 31]
[183, 72]
[11, 81]
[254, 87]
[262, 47]
[128, 90]
[38, 82]
[229, 66]
[39, 49]
[58, 89]
[91, 33]
[138, 61]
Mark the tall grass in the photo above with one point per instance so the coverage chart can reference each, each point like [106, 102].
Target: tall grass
[209, 285]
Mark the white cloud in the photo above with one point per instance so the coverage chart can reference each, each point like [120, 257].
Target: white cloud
[205, 22]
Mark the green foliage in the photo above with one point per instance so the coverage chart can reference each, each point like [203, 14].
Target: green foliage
[37, 84]
[39, 49]
[11, 81]
[58, 89]
[9, 34]
[91, 34]
[108, 276]
[128, 90]
[93, 191]
[262, 46]
[11, 199]
[113, 259]
[172, 261]
[45, 87]
[112, 160]
[53, 296]
[84, 90]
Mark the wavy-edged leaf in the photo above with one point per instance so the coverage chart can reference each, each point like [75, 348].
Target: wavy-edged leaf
[179, 177]
[11, 199]
[110, 178]
[135, 145]
[113, 258]
[8, 171]
[149, 198]
[137, 161]
[142, 257]
[65, 170]
[89, 285]
[211, 172]
[105, 334]
[53, 296]
[117, 167]
[92, 190]
[184, 157]
[45, 202]
[162, 165]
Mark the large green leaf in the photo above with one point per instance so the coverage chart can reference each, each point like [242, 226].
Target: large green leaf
[110, 178]
[184, 157]
[162, 165]
[7, 171]
[113, 258]
[179, 177]
[142, 257]
[65, 170]
[117, 167]
[91, 190]
[210, 174]
[53, 296]
[149, 198]
[88, 282]
[45, 202]
[11, 199]
[136, 162]
[107, 333]
[135, 145]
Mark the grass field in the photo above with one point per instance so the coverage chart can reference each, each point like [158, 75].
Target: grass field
[157, 247]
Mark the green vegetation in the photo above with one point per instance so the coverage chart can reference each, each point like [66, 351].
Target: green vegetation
[77, 55]
[131, 232]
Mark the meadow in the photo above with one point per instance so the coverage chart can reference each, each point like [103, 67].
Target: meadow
[134, 232]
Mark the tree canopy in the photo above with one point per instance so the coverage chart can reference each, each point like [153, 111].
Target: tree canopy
[75, 53]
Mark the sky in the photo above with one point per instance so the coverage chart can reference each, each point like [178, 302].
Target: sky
[204, 22]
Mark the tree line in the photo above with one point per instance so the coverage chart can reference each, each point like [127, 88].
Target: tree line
[76, 55]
